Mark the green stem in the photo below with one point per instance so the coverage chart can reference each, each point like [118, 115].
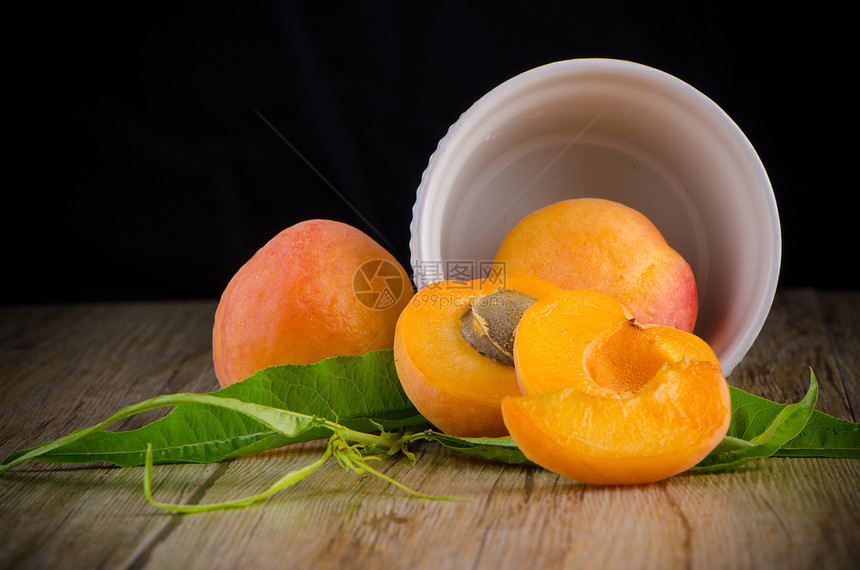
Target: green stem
[380, 442]
[284, 482]
[351, 458]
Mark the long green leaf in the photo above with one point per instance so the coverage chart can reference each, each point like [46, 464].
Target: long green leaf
[288, 424]
[822, 436]
[361, 393]
[784, 427]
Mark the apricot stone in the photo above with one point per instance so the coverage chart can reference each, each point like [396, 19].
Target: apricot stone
[455, 381]
[591, 243]
[318, 289]
[489, 326]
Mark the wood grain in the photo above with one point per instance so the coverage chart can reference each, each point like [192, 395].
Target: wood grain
[68, 366]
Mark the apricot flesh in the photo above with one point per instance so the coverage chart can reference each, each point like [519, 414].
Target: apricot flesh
[607, 400]
[319, 288]
[454, 386]
[592, 243]
[671, 424]
[589, 341]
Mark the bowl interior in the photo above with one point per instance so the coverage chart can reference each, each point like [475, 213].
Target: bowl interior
[621, 131]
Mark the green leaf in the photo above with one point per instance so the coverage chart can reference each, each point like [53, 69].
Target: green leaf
[788, 423]
[822, 436]
[288, 424]
[361, 393]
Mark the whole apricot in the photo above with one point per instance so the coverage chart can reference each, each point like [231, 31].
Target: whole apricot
[319, 288]
[592, 243]
[453, 350]
[610, 401]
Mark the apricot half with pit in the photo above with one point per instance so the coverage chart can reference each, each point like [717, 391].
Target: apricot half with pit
[453, 349]
[610, 401]
[592, 243]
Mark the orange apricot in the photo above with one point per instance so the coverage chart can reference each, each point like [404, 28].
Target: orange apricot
[452, 350]
[671, 424]
[318, 289]
[589, 341]
[607, 400]
[591, 243]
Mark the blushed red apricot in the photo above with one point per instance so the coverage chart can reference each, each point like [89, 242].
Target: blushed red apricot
[319, 288]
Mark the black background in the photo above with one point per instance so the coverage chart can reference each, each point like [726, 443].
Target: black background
[142, 166]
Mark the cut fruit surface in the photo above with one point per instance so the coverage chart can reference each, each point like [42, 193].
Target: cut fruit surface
[668, 426]
[587, 340]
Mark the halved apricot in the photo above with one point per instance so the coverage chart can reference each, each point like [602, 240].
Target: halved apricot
[673, 422]
[589, 341]
[610, 401]
[452, 347]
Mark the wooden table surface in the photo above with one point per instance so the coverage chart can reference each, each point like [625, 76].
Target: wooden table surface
[64, 367]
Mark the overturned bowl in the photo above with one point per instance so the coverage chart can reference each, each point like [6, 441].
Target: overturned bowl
[617, 130]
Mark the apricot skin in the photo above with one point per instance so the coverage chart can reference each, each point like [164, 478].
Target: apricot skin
[665, 429]
[591, 243]
[294, 302]
[456, 388]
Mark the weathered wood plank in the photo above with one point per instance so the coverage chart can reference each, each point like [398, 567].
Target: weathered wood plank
[795, 338]
[65, 367]
[841, 314]
[784, 513]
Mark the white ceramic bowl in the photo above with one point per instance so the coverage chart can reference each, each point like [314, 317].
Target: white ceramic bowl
[617, 130]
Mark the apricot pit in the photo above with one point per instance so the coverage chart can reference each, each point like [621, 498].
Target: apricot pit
[489, 326]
